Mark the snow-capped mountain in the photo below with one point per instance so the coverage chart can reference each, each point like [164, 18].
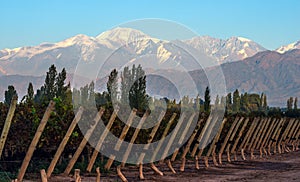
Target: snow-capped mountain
[292, 46]
[232, 49]
[255, 72]
[35, 60]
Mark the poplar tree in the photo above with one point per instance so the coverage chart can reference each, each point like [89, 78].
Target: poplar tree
[236, 101]
[207, 100]
[112, 86]
[9, 94]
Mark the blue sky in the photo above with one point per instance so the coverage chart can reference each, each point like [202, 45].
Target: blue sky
[31, 22]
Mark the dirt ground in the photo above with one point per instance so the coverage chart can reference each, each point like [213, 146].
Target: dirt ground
[279, 167]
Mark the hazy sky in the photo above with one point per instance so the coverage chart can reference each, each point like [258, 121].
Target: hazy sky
[271, 23]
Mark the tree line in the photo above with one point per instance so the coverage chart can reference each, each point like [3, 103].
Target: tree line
[127, 87]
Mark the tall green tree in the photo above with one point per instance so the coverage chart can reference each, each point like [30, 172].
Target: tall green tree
[265, 105]
[296, 104]
[217, 101]
[30, 93]
[76, 97]
[290, 103]
[91, 91]
[112, 86]
[49, 86]
[207, 100]
[84, 95]
[133, 87]
[60, 84]
[245, 102]
[223, 102]
[126, 83]
[229, 102]
[9, 94]
[236, 101]
[137, 94]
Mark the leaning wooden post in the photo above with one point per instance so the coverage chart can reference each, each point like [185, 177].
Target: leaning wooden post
[158, 147]
[35, 140]
[123, 178]
[289, 136]
[77, 177]
[188, 145]
[257, 137]
[272, 133]
[283, 136]
[180, 142]
[272, 139]
[43, 175]
[262, 135]
[212, 147]
[296, 141]
[98, 174]
[278, 134]
[203, 131]
[128, 150]
[64, 142]
[7, 124]
[231, 139]
[183, 136]
[174, 133]
[83, 142]
[271, 136]
[293, 139]
[226, 139]
[101, 140]
[133, 138]
[254, 137]
[260, 132]
[121, 138]
[146, 147]
[267, 137]
[238, 138]
[171, 140]
[247, 138]
[292, 131]
[199, 139]
[206, 137]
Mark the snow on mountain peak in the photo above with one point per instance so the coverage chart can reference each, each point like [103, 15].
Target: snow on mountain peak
[283, 49]
[231, 49]
[243, 39]
[77, 39]
[123, 35]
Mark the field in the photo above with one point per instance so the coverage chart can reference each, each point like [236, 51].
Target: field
[283, 167]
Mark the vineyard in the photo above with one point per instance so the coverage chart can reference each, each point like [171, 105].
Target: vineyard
[213, 140]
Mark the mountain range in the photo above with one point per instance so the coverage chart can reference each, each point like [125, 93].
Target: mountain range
[246, 65]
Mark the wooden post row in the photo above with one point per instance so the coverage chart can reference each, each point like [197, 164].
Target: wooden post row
[83, 142]
[247, 138]
[187, 127]
[7, 123]
[203, 131]
[146, 147]
[35, 140]
[233, 151]
[188, 145]
[226, 139]
[231, 138]
[212, 147]
[64, 142]
[121, 138]
[101, 140]
[207, 136]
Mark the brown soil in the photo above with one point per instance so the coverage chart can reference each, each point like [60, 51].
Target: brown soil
[279, 167]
